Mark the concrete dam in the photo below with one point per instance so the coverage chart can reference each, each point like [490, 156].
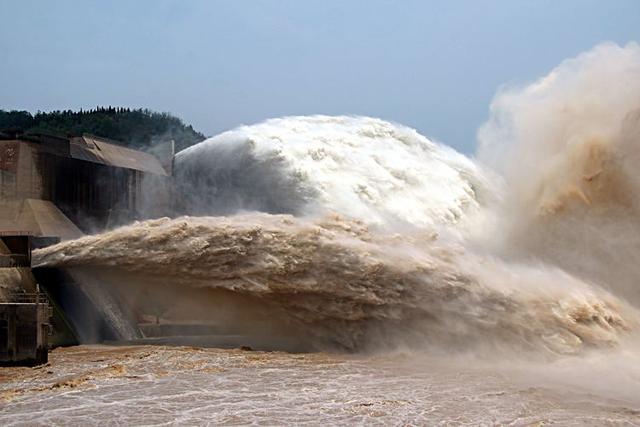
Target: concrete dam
[54, 189]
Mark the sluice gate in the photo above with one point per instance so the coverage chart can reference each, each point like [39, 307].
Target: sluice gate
[25, 329]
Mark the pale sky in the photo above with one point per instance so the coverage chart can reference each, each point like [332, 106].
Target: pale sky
[431, 65]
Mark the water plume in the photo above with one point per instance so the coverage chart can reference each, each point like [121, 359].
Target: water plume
[360, 167]
[347, 287]
[566, 149]
[353, 232]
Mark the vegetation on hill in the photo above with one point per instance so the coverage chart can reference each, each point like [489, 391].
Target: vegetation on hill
[138, 128]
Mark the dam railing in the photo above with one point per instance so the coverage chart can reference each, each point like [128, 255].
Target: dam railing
[28, 298]
[14, 260]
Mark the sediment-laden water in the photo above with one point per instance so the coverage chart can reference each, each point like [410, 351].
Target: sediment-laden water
[151, 385]
[347, 287]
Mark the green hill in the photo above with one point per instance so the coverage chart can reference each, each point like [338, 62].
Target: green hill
[139, 128]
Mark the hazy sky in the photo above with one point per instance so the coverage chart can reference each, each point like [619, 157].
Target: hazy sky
[432, 65]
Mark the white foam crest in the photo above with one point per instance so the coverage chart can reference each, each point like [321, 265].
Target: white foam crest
[361, 167]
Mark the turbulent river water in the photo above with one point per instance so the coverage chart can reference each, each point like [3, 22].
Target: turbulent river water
[509, 279]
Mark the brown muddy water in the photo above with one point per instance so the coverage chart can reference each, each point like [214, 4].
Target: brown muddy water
[160, 385]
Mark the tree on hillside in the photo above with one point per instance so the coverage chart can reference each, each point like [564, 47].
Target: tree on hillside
[138, 128]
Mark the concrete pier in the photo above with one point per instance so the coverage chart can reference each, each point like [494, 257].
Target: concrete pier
[24, 330]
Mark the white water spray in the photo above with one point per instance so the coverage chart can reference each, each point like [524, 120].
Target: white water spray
[567, 149]
[433, 250]
[359, 167]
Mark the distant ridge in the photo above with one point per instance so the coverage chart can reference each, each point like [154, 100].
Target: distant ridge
[135, 128]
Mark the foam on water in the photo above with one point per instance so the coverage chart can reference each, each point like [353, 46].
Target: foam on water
[154, 385]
